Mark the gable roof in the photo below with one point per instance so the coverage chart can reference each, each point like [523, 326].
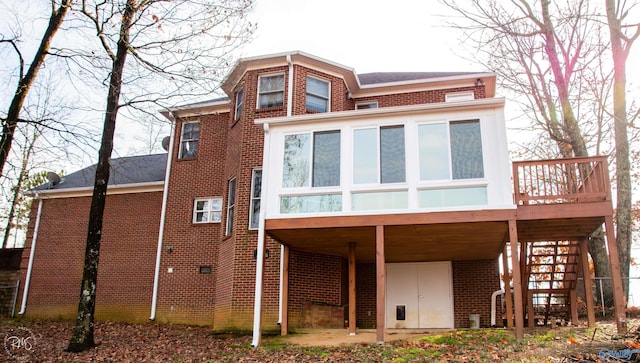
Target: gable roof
[124, 171]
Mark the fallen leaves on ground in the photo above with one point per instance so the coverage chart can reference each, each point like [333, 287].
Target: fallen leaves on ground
[121, 342]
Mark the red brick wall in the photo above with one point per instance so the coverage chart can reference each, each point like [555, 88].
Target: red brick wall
[473, 284]
[314, 278]
[366, 295]
[415, 98]
[127, 257]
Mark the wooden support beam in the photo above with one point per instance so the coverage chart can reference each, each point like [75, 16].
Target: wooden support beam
[531, 316]
[586, 277]
[517, 286]
[380, 285]
[616, 279]
[284, 324]
[507, 288]
[573, 300]
[352, 288]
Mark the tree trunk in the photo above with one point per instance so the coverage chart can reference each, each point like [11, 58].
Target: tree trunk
[623, 167]
[598, 252]
[82, 337]
[24, 84]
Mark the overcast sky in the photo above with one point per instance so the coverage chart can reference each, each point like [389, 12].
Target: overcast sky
[370, 36]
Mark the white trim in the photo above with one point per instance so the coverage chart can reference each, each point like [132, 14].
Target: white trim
[146, 187]
[395, 111]
[32, 253]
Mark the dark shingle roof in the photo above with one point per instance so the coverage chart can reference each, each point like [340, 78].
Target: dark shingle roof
[126, 170]
[388, 77]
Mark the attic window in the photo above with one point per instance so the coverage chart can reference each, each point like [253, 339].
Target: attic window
[189, 140]
[317, 95]
[239, 101]
[459, 96]
[366, 105]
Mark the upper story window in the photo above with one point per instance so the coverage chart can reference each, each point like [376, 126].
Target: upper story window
[450, 150]
[239, 102]
[379, 155]
[271, 91]
[231, 205]
[207, 210]
[366, 105]
[311, 159]
[256, 194]
[317, 95]
[189, 140]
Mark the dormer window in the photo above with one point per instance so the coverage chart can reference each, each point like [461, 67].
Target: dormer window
[239, 101]
[317, 95]
[271, 91]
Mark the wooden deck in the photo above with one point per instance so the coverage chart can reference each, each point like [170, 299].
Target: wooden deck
[554, 200]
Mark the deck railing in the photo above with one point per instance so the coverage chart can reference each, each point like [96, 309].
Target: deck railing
[571, 180]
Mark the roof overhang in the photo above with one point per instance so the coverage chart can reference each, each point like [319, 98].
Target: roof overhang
[350, 76]
[157, 186]
[482, 103]
[197, 109]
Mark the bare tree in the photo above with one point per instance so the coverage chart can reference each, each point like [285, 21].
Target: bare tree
[549, 55]
[175, 45]
[26, 80]
[622, 35]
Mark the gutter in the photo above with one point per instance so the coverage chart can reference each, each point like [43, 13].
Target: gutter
[32, 253]
[257, 307]
[163, 214]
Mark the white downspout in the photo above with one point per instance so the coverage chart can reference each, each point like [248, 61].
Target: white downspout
[289, 112]
[493, 306]
[257, 307]
[32, 253]
[163, 213]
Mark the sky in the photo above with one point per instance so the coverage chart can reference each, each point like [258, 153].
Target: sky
[370, 36]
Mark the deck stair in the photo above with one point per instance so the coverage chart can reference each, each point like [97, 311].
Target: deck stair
[551, 273]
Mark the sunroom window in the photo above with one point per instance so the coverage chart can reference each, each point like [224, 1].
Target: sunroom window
[379, 155]
[450, 150]
[311, 159]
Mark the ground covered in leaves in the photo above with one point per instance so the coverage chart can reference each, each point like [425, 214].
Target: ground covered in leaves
[45, 341]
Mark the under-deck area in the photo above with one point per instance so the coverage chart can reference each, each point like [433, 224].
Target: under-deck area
[554, 200]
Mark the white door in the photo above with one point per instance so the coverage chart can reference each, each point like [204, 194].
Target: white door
[419, 295]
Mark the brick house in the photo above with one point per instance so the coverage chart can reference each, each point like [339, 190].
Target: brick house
[380, 200]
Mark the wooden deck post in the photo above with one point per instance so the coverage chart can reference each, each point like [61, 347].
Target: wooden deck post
[507, 288]
[284, 324]
[586, 277]
[380, 285]
[352, 288]
[616, 279]
[573, 300]
[517, 286]
[531, 316]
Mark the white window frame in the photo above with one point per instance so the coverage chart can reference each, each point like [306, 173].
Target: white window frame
[358, 104]
[231, 205]
[183, 140]
[459, 96]
[210, 211]
[253, 199]
[238, 108]
[284, 85]
[327, 98]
